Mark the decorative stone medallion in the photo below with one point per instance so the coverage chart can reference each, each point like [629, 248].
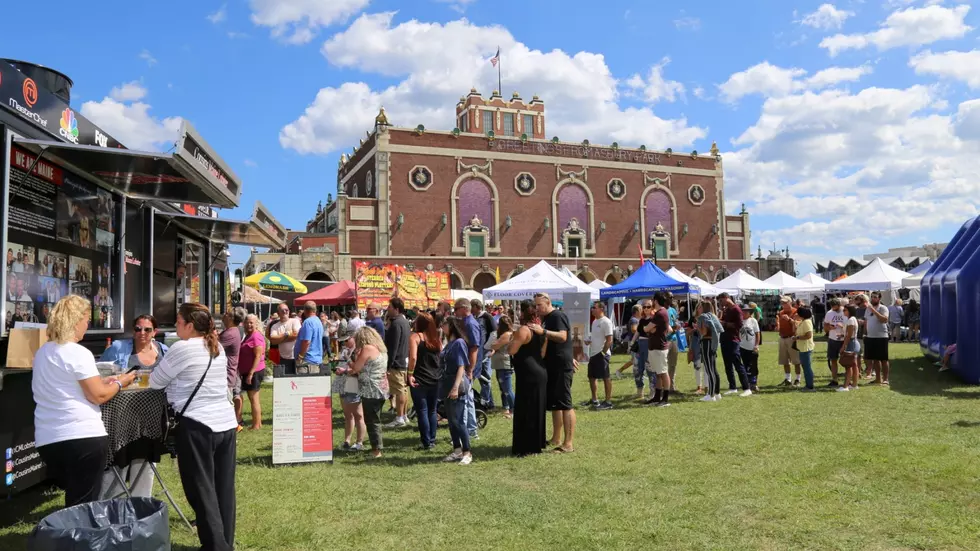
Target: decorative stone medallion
[525, 184]
[616, 189]
[420, 178]
[696, 195]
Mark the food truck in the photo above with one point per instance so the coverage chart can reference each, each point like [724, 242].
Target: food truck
[133, 231]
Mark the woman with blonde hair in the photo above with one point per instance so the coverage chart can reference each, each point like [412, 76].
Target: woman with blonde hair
[251, 367]
[371, 367]
[68, 429]
[194, 372]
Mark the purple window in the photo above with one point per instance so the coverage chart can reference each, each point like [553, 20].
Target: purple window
[657, 211]
[573, 202]
[475, 198]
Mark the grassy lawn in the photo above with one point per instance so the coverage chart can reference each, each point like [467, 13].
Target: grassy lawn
[877, 469]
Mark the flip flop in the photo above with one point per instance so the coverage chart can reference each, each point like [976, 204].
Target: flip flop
[561, 450]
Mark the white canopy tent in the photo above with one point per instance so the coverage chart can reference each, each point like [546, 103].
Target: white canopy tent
[815, 280]
[788, 284]
[913, 284]
[540, 278]
[707, 289]
[598, 284]
[746, 283]
[876, 276]
[465, 293]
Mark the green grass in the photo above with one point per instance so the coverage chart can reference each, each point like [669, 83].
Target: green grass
[877, 469]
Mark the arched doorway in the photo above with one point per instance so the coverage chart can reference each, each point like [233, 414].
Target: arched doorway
[483, 280]
[454, 281]
[700, 275]
[721, 274]
[586, 276]
[318, 276]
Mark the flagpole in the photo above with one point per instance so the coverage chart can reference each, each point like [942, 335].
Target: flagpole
[500, 88]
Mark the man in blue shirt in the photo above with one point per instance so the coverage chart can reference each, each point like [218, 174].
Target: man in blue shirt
[474, 339]
[672, 339]
[309, 342]
[373, 319]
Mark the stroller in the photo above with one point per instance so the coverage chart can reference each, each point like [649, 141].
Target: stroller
[482, 406]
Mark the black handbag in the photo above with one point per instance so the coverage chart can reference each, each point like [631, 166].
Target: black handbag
[173, 418]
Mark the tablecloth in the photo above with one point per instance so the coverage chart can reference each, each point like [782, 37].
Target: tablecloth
[135, 421]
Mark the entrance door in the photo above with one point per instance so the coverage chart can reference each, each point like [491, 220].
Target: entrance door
[477, 245]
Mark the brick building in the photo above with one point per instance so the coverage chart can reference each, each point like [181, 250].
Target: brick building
[495, 194]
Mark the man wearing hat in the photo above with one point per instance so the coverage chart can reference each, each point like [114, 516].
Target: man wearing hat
[750, 339]
[786, 321]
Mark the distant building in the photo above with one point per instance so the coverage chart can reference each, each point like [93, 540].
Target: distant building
[930, 251]
[833, 269]
[774, 262]
[308, 255]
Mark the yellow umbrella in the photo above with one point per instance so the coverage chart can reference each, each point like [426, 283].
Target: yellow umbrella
[275, 281]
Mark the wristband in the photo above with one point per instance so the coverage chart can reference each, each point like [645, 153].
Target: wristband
[118, 382]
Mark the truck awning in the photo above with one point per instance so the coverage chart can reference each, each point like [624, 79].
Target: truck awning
[231, 232]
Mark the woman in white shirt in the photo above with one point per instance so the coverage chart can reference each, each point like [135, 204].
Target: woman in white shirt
[68, 429]
[205, 441]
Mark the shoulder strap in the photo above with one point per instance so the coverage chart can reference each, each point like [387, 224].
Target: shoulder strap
[198, 387]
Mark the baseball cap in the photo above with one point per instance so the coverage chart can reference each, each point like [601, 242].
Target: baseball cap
[785, 298]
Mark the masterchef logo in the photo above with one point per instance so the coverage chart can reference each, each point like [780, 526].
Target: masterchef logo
[30, 92]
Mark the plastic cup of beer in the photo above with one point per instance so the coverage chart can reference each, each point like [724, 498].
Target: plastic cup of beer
[143, 379]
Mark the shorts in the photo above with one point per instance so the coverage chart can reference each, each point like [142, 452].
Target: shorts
[876, 349]
[256, 381]
[559, 396]
[288, 366]
[306, 368]
[599, 366]
[236, 390]
[350, 397]
[657, 361]
[398, 382]
[833, 349]
[786, 353]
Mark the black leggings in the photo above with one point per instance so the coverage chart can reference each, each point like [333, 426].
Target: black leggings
[709, 356]
[77, 465]
[206, 462]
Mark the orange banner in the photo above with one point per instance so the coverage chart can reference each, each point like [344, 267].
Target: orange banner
[437, 287]
[411, 288]
[374, 283]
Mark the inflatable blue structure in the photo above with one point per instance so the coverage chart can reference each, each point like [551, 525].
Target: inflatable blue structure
[950, 303]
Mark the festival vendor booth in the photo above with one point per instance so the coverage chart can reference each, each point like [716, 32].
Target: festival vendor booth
[921, 269]
[132, 231]
[815, 280]
[950, 305]
[789, 285]
[339, 294]
[705, 289]
[646, 281]
[876, 276]
[540, 278]
[752, 289]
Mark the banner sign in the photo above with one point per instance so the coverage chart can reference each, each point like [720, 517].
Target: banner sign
[302, 429]
[25, 97]
[380, 282]
[577, 307]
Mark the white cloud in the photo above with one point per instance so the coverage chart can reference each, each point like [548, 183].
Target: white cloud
[250, 163]
[909, 27]
[220, 15]
[687, 23]
[656, 88]
[769, 80]
[458, 6]
[235, 34]
[132, 124]
[580, 93]
[298, 21]
[699, 92]
[148, 58]
[962, 66]
[130, 91]
[826, 17]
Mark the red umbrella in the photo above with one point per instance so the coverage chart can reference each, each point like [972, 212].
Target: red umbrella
[339, 293]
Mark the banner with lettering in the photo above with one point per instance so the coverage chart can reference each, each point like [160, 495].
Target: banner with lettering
[374, 283]
[411, 288]
[437, 287]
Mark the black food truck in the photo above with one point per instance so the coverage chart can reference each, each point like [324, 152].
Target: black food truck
[133, 231]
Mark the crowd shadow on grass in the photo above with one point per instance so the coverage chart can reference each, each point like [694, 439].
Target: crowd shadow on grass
[920, 377]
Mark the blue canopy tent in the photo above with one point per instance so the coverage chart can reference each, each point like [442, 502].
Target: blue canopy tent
[646, 281]
[921, 268]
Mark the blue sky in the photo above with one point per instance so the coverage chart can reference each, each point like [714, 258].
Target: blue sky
[846, 127]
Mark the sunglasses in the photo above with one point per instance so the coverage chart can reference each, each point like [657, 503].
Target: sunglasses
[143, 329]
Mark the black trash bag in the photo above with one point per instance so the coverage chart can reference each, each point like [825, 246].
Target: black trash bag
[136, 524]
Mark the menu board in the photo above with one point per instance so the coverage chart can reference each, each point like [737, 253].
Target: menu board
[576, 306]
[302, 422]
[62, 234]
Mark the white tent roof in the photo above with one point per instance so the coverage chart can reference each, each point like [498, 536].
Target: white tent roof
[465, 293]
[540, 278]
[598, 284]
[789, 284]
[709, 290]
[912, 282]
[743, 281]
[815, 280]
[876, 276]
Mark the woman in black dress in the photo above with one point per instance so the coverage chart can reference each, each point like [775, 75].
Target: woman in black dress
[527, 350]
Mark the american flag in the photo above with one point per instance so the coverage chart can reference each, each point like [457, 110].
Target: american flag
[496, 58]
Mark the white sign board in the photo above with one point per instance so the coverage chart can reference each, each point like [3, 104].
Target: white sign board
[302, 420]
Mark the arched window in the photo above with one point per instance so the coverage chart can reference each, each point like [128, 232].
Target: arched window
[658, 219]
[573, 220]
[721, 274]
[475, 215]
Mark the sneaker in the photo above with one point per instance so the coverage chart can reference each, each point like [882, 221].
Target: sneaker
[474, 436]
[590, 403]
[805, 389]
[796, 382]
[833, 384]
[755, 388]
[651, 402]
[604, 406]
[785, 383]
[717, 397]
[661, 404]
[843, 389]
[345, 446]
[730, 392]
[396, 424]
[852, 388]
[944, 368]
[466, 460]
[356, 447]
[453, 457]
[746, 393]
[708, 399]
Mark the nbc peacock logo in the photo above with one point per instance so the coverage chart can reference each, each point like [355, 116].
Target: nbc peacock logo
[69, 126]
